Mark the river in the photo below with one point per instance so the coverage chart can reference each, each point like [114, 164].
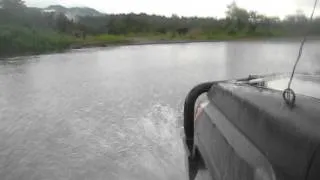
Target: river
[115, 113]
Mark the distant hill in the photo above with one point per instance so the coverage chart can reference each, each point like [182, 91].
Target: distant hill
[73, 12]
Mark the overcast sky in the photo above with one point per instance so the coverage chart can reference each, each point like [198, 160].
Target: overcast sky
[213, 8]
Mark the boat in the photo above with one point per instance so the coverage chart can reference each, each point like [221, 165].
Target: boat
[251, 129]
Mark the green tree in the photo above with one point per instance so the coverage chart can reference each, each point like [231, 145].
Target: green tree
[62, 23]
[254, 20]
[298, 18]
[238, 18]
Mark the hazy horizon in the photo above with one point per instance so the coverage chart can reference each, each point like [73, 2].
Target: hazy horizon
[200, 8]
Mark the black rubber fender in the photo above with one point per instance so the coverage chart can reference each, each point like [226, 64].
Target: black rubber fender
[188, 113]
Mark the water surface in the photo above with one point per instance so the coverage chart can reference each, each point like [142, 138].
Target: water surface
[115, 113]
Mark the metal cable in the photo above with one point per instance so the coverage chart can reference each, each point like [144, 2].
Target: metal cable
[288, 94]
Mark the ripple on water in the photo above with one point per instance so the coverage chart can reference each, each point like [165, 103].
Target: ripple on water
[149, 145]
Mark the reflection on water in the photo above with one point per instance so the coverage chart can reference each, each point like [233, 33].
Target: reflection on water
[115, 113]
[269, 57]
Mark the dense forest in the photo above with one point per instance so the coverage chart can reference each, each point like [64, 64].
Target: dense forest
[34, 30]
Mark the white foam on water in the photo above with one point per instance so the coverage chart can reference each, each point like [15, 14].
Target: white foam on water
[148, 146]
[161, 147]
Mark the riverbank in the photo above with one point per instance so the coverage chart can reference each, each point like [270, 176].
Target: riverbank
[21, 40]
[24, 41]
[146, 41]
[65, 43]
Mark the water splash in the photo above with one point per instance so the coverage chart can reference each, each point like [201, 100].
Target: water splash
[163, 151]
[147, 147]
[153, 144]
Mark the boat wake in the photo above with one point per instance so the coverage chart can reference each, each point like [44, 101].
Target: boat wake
[158, 149]
[148, 146]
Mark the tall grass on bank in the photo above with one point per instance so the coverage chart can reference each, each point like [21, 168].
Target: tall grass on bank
[18, 40]
[21, 40]
[100, 40]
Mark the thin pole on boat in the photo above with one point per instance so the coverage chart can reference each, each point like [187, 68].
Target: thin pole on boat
[288, 94]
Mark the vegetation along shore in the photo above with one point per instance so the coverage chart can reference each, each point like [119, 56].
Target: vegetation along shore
[28, 30]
